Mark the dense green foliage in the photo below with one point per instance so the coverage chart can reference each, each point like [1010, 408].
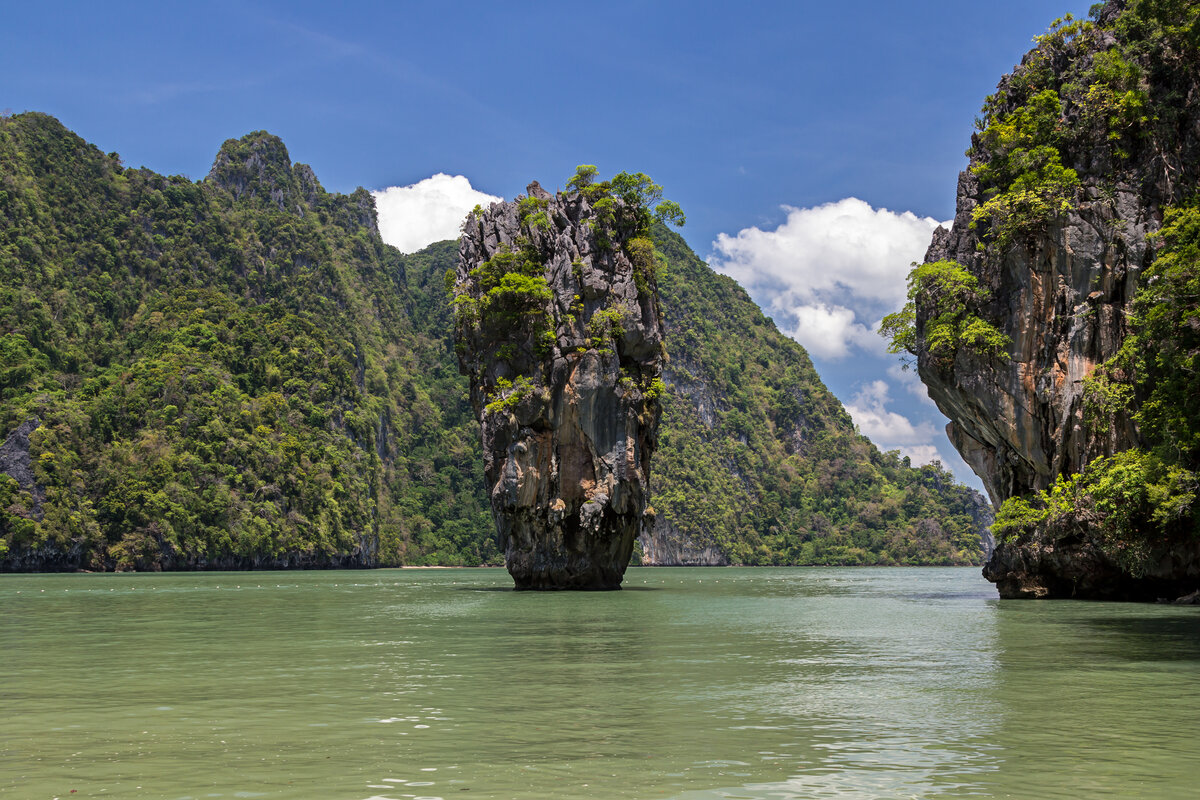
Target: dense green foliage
[237, 372]
[220, 381]
[757, 457]
[510, 310]
[504, 319]
[1081, 98]
[641, 199]
[947, 297]
[1162, 355]
[1025, 180]
[1145, 494]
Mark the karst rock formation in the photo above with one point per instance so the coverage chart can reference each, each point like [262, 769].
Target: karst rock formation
[1080, 151]
[559, 328]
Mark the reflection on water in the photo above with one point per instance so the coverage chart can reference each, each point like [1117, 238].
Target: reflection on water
[1099, 699]
[698, 683]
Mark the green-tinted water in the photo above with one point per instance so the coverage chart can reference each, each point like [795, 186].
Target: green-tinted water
[718, 683]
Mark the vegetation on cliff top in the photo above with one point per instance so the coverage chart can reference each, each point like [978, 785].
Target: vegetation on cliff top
[1080, 98]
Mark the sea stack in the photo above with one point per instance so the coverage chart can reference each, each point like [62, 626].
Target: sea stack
[558, 326]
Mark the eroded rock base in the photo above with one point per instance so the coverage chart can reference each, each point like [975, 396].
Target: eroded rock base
[1076, 567]
[570, 556]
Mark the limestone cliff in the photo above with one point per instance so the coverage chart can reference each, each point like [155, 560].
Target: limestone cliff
[16, 464]
[237, 373]
[1077, 154]
[664, 545]
[559, 329]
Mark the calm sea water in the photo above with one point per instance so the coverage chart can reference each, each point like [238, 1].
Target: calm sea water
[691, 684]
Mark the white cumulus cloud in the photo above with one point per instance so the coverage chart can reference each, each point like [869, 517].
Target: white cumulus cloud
[889, 430]
[829, 330]
[829, 274]
[411, 217]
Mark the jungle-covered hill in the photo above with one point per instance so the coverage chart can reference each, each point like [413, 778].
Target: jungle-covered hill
[238, 373]
[759, 461]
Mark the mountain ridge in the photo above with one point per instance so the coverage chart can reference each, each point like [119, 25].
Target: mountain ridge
[238, 373]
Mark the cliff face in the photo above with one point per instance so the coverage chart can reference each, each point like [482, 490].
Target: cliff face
[1078, 154]
[560, 333]
[15, 463]
[664, 545]
[1061, 298]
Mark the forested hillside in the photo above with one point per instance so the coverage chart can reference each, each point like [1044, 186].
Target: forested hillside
[237, 372]
[227, 373]
[760, 462]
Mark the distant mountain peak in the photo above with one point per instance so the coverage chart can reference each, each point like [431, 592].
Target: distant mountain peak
[258, 167]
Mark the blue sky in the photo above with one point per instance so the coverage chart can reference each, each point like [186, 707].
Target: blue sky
[761, 120]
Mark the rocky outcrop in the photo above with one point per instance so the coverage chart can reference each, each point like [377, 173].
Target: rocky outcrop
[982, 516]
[664, 545]
[15, 462]
[257, 170]
[1061, 290]
[1062, 299]
[559, 329]
[258, 167]
[1069, 559]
